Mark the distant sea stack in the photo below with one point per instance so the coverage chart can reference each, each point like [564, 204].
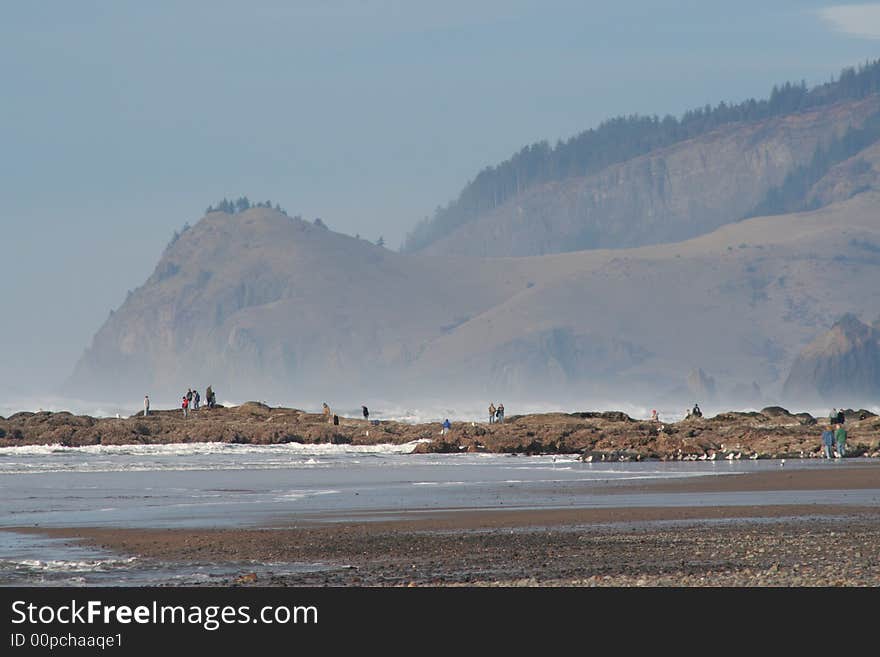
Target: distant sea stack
[840, 367]
[701, 385]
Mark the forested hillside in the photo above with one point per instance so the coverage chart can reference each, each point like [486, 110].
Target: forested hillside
[624, 138]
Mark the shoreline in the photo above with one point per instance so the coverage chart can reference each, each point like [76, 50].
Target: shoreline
[757, 545]
[594, 436]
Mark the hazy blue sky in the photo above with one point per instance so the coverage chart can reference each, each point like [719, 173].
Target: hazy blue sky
[121, 121]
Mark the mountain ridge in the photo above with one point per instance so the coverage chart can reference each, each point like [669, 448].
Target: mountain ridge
[667, 195]
[615, 286]
[269, 306]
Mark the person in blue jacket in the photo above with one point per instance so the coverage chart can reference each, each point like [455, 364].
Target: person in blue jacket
[828, 442]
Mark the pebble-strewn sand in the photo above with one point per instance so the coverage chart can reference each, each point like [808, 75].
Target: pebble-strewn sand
[804, 545]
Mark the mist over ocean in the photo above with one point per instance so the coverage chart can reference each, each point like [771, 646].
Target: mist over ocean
[432, 410]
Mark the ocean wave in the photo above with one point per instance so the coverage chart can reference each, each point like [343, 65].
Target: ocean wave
[187, 457]
[66, 566]
[197, 449]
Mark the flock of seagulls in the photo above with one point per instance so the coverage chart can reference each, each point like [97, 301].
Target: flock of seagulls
[711, 455]
[612, 457]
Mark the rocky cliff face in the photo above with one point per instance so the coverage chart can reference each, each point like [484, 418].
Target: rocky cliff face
[841, 366]
[668, 195]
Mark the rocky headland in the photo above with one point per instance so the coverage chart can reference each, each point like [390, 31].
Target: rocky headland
[774, 432]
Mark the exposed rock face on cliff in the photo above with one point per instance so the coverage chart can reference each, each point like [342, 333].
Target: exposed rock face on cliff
[672, 194]
[840, 366]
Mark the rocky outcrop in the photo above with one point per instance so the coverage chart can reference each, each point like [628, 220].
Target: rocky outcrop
[847, 179]
[842, 364]
[595, 436]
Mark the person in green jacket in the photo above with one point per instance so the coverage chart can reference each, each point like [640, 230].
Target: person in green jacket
[840, 437]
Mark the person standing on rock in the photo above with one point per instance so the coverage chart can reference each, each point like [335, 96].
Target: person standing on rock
[196, 400]
[366, 412]
[185, 405]
[840, 437]
[446, 426]
[209, 397]
[500, 413]
[491, 412]
[189, 396]
[327, 413]
[828, 441]
[146, 405]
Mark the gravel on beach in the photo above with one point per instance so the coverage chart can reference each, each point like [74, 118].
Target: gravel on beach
[733, 546]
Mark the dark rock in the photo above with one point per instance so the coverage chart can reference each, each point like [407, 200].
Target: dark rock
[806, 418]
[614, 416]
[775, 411]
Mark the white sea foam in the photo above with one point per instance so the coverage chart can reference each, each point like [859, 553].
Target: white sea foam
[195, 449]
[302, 494]
[65, 566]
[184, 456]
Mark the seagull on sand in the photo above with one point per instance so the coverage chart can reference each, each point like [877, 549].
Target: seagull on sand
[754, 456]
[588, 458]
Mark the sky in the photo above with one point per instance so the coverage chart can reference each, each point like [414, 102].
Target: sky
[122, 121]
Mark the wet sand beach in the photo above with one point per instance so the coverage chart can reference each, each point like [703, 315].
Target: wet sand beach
[756, 545]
